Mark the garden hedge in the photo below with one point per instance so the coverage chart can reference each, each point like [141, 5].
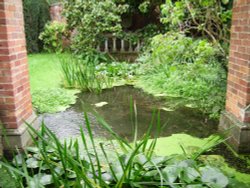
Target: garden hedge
[36, 15]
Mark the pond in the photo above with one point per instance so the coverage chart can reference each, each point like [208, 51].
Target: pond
[114, 106]
[116, 111]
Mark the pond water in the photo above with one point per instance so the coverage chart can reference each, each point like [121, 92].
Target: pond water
[116, 112]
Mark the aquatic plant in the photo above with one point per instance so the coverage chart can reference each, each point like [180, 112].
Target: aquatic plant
[85, 162]
[53, 100]
[81, 73]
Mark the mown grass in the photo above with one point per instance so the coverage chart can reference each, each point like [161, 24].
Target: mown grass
[45, 71]
[48, 94]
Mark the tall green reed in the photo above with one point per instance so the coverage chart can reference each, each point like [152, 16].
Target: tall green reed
[82, 74]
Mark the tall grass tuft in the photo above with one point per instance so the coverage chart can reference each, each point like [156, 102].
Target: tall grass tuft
[82, 74]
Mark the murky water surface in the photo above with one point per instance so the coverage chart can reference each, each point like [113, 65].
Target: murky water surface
[117, 113]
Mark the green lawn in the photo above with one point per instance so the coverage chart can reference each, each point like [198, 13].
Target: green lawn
[48, 94]
[45, 71]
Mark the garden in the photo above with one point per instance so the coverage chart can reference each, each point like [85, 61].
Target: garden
[128, 94]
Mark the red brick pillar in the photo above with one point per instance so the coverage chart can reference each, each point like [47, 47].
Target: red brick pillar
[56, 10]
[15, 98]
[237, 113]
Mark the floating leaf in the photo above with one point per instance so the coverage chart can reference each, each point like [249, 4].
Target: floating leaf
[33, 149]
[107, 177]
[213, 177]
[43, 179]
[100, 104]
[18, 160]
[71, 175]
[151, 173]
[46, 179]
[190, 174]
[159, 160]
[32, 163]
[59, 170]
[141, 159]
[171, 173]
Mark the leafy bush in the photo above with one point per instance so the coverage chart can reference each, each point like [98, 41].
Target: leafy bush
[182, 67]
[84, 162]
[174, 48]
[208, 18]
[53, 35]
[90, 20]
[36, 15]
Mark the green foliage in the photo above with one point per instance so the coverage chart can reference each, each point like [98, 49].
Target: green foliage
[84, 162]
[90, 20]
[117, 70]
[53, 35]
[52, 100]
[50, 2]
[208, 18]
[36, 15]
[6, 179]
[182, 67]
[178, 49]
[82, 74]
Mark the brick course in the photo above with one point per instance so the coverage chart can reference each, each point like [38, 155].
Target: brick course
[238, 91]
[15, 98]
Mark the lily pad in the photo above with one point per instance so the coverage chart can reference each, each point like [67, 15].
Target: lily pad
[18, 160]
[32, 163]
[213, 177]
[171, 173]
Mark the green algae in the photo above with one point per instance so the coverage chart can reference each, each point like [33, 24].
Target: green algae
[172, 145]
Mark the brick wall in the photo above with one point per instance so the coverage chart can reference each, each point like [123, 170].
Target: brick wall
[56, 12]
[15, 99]
[238, 91]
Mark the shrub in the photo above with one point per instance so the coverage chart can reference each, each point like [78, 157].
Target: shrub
[53, 36]
[210, 19]
[36, 15]
[180, 66]
[92, 19]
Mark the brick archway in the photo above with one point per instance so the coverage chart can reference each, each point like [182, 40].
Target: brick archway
[237, 114]
[15, 98]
